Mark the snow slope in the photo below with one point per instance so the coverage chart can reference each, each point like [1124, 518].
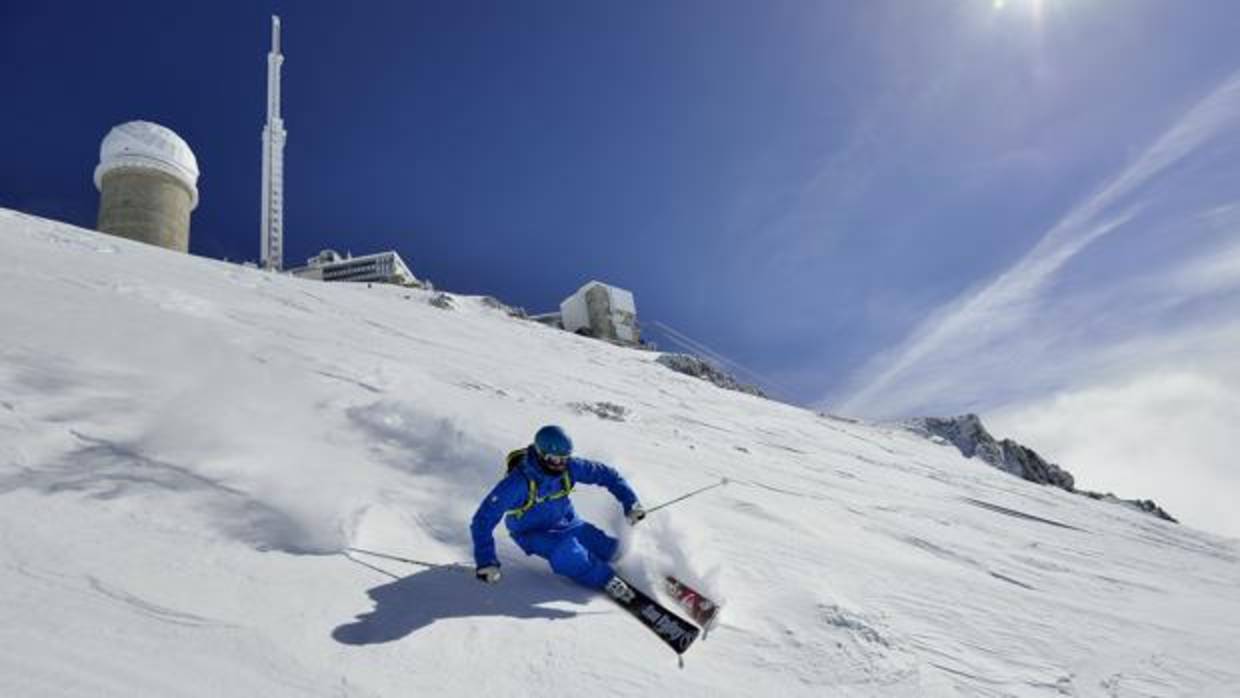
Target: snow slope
[187, 446]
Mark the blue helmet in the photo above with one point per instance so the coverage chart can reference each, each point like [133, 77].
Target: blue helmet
[552, 441]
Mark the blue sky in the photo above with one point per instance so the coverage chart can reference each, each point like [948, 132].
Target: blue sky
[1027, 208]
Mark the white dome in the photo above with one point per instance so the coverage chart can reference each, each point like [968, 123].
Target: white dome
[149, 145]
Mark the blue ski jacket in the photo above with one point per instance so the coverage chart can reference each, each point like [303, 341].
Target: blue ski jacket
[551, 509]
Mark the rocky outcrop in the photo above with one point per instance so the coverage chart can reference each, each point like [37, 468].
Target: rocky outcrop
[603, 410]
[693, 366]
[1146, 505]
[443, 301]
[967, 434]
[509, 310]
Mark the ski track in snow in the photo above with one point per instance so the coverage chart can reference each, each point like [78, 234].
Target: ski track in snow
[187, 447]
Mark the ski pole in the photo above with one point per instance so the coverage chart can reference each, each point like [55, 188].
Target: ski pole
[408, 560]
[722, 481]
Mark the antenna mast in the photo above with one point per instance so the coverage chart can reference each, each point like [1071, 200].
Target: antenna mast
[272, 253]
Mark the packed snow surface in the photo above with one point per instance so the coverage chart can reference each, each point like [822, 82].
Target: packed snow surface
[187, 447]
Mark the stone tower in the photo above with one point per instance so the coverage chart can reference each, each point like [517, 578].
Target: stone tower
[148, 184]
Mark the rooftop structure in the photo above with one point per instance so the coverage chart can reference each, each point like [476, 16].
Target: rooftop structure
[601, 311]
[382, 267]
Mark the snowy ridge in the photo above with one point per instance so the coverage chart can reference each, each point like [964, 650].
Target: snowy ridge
[187, 447]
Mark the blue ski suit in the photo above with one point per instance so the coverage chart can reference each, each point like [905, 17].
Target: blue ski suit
[541, 520]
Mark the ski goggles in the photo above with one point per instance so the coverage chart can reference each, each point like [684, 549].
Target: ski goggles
[555, 459]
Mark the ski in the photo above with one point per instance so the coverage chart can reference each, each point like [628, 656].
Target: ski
[701, 609]
[675, 631]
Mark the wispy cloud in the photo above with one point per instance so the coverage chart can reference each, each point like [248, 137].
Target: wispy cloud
[1110, 346]
[1217, 270]
[993, 314]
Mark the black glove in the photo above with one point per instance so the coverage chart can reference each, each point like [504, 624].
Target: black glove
[637, 513]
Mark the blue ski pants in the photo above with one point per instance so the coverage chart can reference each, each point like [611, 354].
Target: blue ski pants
[580, 553]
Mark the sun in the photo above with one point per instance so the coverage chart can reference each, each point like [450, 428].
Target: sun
[1035, 8]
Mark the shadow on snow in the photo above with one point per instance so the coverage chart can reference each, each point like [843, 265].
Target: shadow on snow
[411, 603]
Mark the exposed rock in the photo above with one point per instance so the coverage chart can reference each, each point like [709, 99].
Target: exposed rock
[603, 410]
[497, 304]
[442, 301]
[967, 434]
[693, 366]
[1146, 505]
[1028, 464]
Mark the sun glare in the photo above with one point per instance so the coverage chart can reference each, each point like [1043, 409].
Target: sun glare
[1036, 8]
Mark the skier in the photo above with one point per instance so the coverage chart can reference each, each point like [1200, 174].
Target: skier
[533, 500]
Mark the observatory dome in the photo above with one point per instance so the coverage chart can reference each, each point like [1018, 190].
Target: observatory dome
[148, 145]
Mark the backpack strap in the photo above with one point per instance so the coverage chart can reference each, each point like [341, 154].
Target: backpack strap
[532, 499]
